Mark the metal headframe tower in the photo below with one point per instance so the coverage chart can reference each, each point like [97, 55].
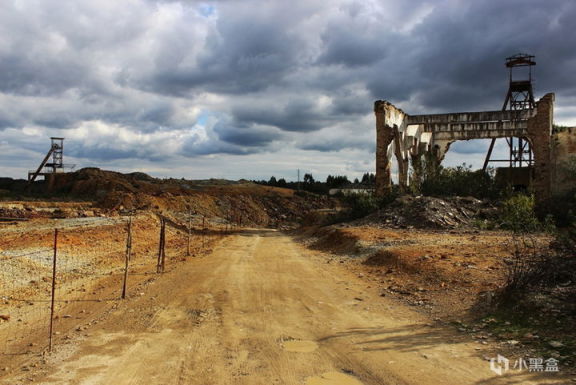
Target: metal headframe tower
[57, 165]
[520, 96]
[57, 146]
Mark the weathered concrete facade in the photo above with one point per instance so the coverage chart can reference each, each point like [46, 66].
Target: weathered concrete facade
[409, 137]
[564, 160]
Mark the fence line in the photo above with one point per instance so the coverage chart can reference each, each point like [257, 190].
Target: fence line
[49, 283]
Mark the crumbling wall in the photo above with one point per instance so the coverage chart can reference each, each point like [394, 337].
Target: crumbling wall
[564, 160]
[386, 118]
[540, 135]
[409, 137]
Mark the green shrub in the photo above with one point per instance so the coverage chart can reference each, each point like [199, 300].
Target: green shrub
[360, 205]
[461, 181]
[562, 208]
[517, 214]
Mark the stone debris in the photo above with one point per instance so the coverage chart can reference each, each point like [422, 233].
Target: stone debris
[431, 212]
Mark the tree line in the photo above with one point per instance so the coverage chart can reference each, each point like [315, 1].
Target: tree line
[310, 184]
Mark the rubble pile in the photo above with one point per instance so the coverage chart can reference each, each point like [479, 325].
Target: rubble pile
[431, 212]
[14, 212]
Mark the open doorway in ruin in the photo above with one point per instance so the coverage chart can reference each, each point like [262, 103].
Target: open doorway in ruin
[516, 173]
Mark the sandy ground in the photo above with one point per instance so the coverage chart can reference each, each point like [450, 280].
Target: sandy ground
[262, 309]
[445, 272]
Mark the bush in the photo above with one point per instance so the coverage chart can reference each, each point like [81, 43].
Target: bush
[461, 181]
[561, 207]
[518, 215]
[536, 266]
[360, 205]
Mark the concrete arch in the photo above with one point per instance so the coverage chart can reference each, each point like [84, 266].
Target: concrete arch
[411, 136]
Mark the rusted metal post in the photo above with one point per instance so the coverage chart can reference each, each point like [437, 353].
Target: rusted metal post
[128, 254]
[53, 289]
[203, 231]
[189, 232]
[228, 223]
[163, 259]
[161, 251]
[160, 247]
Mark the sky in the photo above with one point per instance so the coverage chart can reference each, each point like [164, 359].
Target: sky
[249, 89]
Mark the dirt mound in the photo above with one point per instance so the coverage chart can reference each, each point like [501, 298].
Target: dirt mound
[431, 212]
[241, 201]
[334, 240]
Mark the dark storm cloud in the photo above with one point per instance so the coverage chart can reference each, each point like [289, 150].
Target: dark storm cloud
[337, 145]
[216, 147]
[101, 153]
[268, 72]
[22, 74]
[460, 63]
[244, 135]
[296, 115]
[55, 121]
[246, 53]
[349, 47]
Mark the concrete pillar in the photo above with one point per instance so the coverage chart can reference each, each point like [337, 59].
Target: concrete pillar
[401, 157]
[384, 137]
[439, 150]
[417, 170]
[540, 136]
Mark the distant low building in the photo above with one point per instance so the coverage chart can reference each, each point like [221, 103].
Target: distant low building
[352, 190]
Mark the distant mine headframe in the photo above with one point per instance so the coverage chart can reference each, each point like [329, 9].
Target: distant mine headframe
[520, 97]
[56, 166]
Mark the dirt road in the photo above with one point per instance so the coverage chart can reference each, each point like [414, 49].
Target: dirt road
[262, 309]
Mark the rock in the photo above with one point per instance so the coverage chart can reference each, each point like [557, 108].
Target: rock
[5, 317]
[512, 342]
[556, 344]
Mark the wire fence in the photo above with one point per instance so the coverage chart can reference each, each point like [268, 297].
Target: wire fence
[52, 284]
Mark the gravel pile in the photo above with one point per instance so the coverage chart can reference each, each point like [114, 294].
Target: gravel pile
[431, 212]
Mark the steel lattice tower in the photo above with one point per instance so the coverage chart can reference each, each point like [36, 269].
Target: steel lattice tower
[520, 96]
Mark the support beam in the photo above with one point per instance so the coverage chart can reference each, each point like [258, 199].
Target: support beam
[490, 149]
[32, 177]
[470, 117]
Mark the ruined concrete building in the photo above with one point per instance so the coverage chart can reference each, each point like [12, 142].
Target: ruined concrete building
[409, 137]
